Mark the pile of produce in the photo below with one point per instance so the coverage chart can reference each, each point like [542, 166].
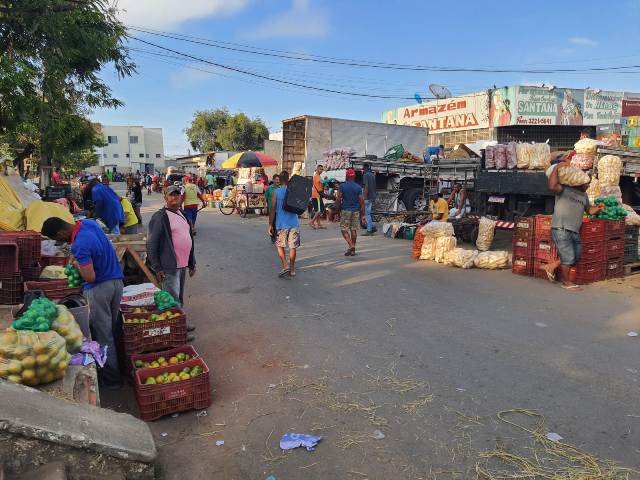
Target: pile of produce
[185, 374]
[613, 210]
[438, 240]
[609, 169]
[74, 280]
[37, 317]
[65, 324]
[461, 258]
[154, 317]
[569, 175]
[492, 260]
[585, 151]
[164, 300]
[486, 230]
[32, 358]
[179, 357]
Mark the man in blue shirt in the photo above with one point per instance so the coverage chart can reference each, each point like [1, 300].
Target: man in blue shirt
[107, 207]
[351, 202]
[287, 228]
[95, 258]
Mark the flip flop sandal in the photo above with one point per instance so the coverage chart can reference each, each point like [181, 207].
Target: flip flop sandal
[577, 288]
[292, 274]
[551, 277]
[353, 252]
[322, 227]
[347, 253]
[313, 226]
[284, 272]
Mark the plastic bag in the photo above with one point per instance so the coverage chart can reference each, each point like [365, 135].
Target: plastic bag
[53, 272]
[37, 317]
[438, 229]
[583, 161]
[32, 358]
[418, 239]
[586, 146]
[609, 168]
[489, 157]
[501, 157]
[443, 245]
[540, 157]
[593, 191]
[570, 176]
[65, 324]
[460, 257]
[486, 230]
[427, 251]
[632, 217]
[512, 155]
[615, 191]
[492, 260]
[524, 152]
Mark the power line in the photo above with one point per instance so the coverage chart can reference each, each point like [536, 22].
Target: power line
[270, 78]
[367, 64]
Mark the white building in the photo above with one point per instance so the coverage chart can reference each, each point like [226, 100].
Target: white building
[131, 148]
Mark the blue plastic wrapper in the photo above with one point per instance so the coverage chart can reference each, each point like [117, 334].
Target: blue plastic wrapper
[289, 441]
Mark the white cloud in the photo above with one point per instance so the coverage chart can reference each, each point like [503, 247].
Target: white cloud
[302, 20]
[188, 77]
[168, 14]
[583, 41]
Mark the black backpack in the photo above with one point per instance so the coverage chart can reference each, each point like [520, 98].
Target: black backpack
[297, 195]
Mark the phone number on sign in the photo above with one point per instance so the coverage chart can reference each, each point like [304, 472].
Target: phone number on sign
[534, 121]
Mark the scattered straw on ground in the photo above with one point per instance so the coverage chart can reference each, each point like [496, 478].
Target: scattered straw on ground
[390, 381]
[342, 403]
[352, 439]
[545, 459]
[414, 407]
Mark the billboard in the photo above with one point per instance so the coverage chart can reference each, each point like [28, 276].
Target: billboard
[467, 112]
[523, 105]
[601, 107]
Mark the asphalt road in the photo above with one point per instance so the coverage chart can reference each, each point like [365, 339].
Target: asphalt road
[401, 366]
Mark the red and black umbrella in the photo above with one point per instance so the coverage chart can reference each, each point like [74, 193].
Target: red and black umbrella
[249, 159]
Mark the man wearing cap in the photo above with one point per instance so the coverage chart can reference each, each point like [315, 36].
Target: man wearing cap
[439, 207]
[170, 247]
[96, 259]
[351, 203]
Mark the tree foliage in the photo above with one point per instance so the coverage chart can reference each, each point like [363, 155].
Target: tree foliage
[212, 130]
[53, 53]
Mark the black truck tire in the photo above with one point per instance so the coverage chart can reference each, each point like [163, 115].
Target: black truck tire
[411, 199]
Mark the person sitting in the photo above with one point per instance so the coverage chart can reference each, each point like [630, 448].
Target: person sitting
[439, 207]
[458, 202]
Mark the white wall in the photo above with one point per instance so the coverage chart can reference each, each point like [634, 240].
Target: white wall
[126, 155]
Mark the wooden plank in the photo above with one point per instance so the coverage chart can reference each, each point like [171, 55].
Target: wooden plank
[150, 276]
[632, 268]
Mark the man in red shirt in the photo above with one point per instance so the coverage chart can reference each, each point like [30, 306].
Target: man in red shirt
[56, 178]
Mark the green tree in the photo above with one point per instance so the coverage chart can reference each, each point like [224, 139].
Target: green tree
[212, 130]
[53, 53]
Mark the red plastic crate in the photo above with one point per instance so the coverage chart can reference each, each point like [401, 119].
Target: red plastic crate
[522, 265]
[53, 289]
[523, 244]
[593, 252]
[614, 228]
[526, 226]
[29, 244]
[11, 288]
[543, 227]
[156, 335]
[614, 267]
[9, 254]
[587, 272]
[155, 401]
[545, 250]
[149, 357]
[615, 248]
[31, 273]
[592, 230]
[48, 260]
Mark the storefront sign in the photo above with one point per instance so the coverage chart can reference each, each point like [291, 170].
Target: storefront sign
[630, 107]
[447, 115]
[602, 107]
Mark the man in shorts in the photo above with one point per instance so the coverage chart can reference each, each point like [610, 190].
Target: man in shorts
[351, 203]
[287, 228]
[571, 203]
[316, 198]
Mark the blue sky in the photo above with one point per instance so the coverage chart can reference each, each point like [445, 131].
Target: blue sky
[465, 33]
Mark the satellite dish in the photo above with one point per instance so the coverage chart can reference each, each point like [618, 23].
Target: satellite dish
[439, 91]
[418, 97]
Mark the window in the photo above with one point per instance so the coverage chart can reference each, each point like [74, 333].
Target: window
[112, 139]
[126, 155]
[133, 139]
[141, 155]
[116, 155]
[104, 155]
[158, 155]
[147, 155]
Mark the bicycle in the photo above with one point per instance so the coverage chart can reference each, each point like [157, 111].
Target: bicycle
[228, 206]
